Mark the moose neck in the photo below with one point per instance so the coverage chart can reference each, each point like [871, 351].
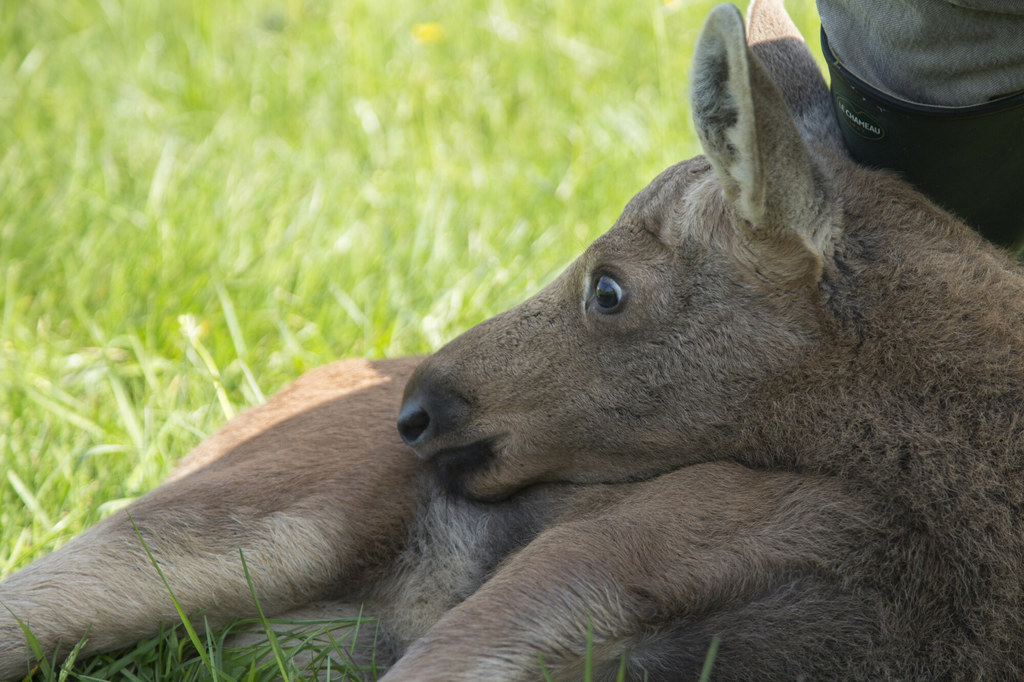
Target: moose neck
[918, 384]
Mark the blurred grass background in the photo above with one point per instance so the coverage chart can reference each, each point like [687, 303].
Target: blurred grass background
[201, 199]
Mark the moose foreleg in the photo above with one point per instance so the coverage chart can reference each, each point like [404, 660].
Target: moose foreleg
[683, 557]
[314, 489]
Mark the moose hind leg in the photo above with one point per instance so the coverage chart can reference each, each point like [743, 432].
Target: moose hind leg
[314, 489]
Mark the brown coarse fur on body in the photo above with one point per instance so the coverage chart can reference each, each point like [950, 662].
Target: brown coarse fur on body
[917, 393]
[779, 404]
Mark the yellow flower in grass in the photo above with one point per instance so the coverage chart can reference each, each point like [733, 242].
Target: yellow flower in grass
[428, 33]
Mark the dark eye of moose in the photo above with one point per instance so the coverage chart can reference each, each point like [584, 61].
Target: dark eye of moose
[607, 294]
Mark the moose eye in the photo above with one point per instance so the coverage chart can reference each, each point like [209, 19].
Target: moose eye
[607, 294]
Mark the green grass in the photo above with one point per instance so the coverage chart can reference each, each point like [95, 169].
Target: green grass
[172, 656]
[200, 200]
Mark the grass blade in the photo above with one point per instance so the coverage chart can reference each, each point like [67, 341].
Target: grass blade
[42, 665]
[271, 635]
[709, 660]
[69, 662]
[192, 635]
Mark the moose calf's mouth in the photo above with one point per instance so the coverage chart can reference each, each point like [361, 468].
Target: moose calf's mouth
[433, 424]
[454, 466]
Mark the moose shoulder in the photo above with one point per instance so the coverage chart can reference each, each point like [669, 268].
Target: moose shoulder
[778, 403]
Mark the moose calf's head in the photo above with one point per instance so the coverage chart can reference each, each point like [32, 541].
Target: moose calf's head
[644, 354]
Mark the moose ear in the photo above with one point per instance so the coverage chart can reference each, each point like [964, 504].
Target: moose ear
[775, 40]
[775, 195]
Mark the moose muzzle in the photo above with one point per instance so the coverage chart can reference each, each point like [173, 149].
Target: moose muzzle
[430, 416]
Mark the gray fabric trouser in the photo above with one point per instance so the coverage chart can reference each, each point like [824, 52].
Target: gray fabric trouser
[939, 52]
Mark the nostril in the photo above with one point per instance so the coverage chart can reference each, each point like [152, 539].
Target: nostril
[412, 422]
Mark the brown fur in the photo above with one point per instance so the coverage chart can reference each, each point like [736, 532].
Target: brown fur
[267, 483]
[800, 431]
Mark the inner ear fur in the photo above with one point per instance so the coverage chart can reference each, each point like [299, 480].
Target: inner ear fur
[775, 195]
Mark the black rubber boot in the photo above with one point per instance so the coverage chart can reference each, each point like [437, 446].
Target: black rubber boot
[969, 160]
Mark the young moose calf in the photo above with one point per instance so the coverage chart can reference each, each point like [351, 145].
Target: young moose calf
[779, 402]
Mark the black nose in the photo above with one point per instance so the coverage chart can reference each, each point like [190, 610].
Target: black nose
[413, 420]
